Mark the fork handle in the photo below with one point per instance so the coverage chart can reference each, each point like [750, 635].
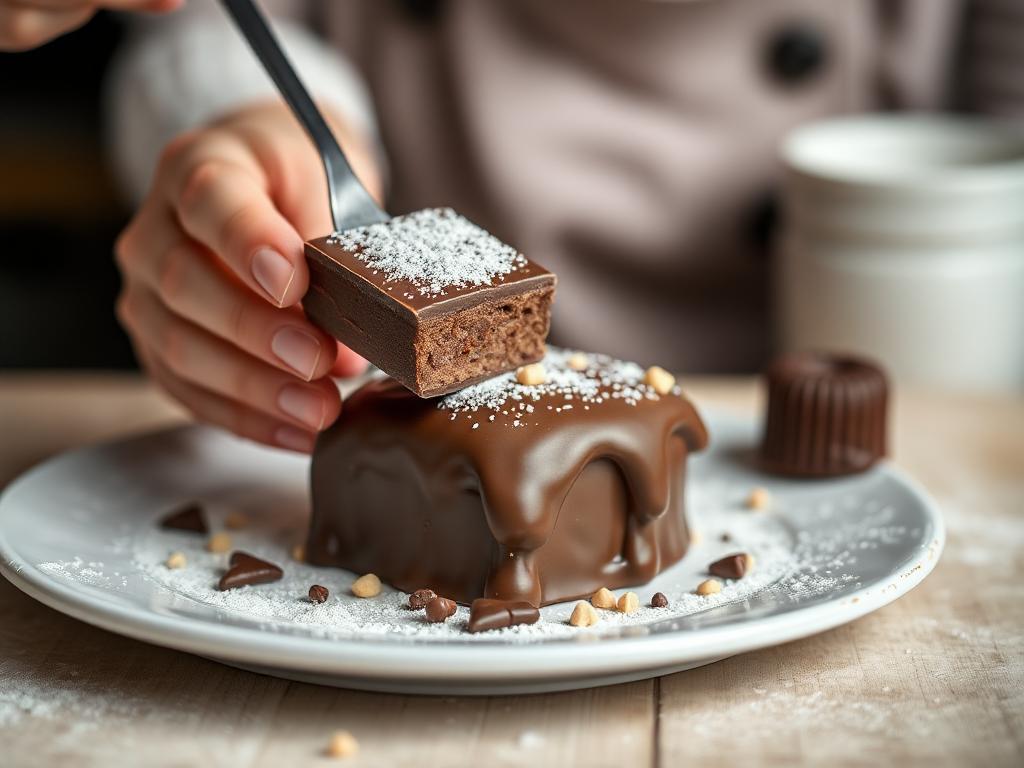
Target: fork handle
[351, 204]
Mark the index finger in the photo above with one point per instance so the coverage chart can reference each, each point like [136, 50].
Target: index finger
[226, 208]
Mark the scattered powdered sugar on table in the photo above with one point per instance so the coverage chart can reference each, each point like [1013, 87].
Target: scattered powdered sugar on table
[25, 694]
[434, 249]
[503, 400]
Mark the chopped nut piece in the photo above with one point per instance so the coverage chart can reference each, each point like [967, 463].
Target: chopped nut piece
[219, 542]
[236, 521]
[628, 603]
[659, 600]
[758, 499]
[732, 566]
[660, 380]
[420, 598]
[583, 615]
[366, 586]
[318, 594]
[709, 587]
[531, 375]
[175, 561]
[578, 361]
[603, 598]
[299, 553]
[696, 538]
[342, 744]
[439, 609]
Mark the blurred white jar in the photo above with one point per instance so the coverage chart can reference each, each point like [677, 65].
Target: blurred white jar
[904, 240]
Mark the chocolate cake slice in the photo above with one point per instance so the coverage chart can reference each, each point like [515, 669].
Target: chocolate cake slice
[540, 492]
[431, 299]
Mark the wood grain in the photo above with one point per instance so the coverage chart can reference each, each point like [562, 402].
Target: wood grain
[933, 679]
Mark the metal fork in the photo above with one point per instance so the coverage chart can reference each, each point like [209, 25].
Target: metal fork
[351, 204]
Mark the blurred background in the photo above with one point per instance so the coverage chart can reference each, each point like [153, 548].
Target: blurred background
[60, 211]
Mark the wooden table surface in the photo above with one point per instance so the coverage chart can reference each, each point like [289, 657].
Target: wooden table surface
[936, 678]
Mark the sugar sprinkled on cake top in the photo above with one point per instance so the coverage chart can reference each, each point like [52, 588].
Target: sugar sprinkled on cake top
[567, 385]
[434, 249]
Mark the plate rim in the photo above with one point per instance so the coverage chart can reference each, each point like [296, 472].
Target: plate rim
[441, 662]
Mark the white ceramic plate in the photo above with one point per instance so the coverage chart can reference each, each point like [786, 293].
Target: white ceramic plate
[77, 533]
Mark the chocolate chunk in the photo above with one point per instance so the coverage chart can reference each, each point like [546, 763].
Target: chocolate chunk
[726, 537]
[430, 299]
[487, 614]
[659, 600]
[318, 594]
[246, 569]
[729, 567]
[439, 609]
[420, 598]
[187, 518]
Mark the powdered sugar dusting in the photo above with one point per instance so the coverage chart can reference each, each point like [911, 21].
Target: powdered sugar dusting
[435, 249]
[284, 605]
[793, 566]
[604, 378]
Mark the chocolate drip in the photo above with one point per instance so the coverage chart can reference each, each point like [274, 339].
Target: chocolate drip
[524, 484]
[566, 502]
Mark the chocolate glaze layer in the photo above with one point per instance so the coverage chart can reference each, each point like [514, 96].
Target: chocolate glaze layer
[426, 494]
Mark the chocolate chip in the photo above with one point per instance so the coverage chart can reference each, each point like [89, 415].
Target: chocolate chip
[439, 609]
[318, 594]
[420, 598]
[659, 600]
[246, 569]
[487, 614]
[726, 536]
[187, 518]
[730, 567]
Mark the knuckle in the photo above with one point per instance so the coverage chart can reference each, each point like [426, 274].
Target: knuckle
[171, 276]
[199, 182]
[237, 232]
[19, 31]
[125, 248]
[242, 386]
[174, 151]
[124, 311]
[173, 347]
[241, 322]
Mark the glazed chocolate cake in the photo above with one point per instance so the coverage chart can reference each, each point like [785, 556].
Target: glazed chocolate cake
[540, 492]
[431, 299]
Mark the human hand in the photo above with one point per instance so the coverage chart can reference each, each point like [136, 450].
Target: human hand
[27, 24]
[213, 269]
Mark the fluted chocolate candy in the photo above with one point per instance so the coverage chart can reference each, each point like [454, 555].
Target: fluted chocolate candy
[826, 415]
[508, 491]
[431, 299]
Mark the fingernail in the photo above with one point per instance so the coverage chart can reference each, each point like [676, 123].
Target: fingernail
[273, 272]
[297, 349]
[294, 439]
[302, 403]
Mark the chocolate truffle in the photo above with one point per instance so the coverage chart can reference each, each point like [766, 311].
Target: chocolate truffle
[826, 415]
[430, 299]
[516, 492]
